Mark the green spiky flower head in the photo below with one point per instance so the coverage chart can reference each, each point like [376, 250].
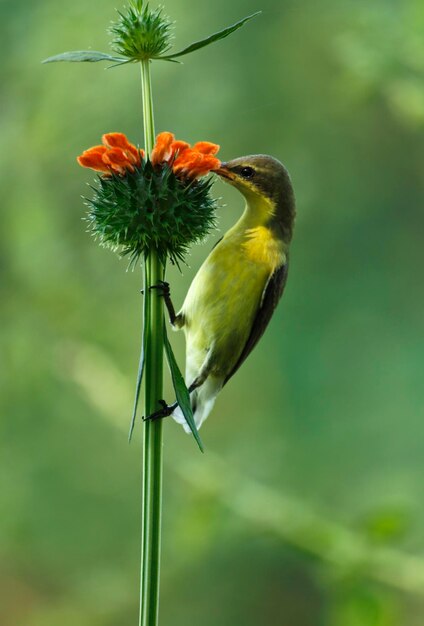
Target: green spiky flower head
[162, 203]
[141, 33]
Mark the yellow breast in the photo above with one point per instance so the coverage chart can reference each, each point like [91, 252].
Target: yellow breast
[263, 248]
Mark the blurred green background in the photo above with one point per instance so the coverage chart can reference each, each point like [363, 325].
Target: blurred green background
[308, 507]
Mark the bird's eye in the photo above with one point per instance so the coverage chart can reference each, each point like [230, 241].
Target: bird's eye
[247, 172]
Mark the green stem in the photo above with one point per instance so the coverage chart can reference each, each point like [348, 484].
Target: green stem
[152, 440]
[147, 101]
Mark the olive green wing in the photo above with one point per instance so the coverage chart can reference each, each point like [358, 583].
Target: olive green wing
[272, 294]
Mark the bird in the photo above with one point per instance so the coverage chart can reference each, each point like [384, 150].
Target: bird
[234, 294]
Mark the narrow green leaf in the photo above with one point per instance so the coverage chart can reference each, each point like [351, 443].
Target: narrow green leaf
[121, 62]
[181, 391]
[167, 59]
[77, 56]
[140, 363]
[211, 39]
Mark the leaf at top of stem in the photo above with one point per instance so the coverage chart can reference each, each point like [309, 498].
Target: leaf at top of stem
[211, 39]
[181, 391]
[78, 56]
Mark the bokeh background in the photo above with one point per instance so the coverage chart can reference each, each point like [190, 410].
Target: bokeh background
[308, 507]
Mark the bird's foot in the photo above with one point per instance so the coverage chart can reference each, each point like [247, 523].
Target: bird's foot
[165, 411]
[163, 288]
[164, 291]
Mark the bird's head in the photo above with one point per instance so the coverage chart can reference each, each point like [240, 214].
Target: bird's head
[263, 179]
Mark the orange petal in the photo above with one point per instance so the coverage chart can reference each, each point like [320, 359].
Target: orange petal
[94, 160]
[100, 149]
[185, 157]
[133, 154]
[186, 163]
[119, 140]
[178, 147]
[162, 150]
[115, 155]
[115, 140]
[118, 160]
[203, 167]
[206, 147]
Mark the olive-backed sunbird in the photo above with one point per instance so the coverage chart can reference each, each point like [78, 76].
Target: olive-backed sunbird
[235, 292]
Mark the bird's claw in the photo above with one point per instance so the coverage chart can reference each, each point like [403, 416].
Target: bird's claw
[162, 287]
[165, 292]
[165, 411]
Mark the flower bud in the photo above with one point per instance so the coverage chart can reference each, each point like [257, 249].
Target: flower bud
[141, 33]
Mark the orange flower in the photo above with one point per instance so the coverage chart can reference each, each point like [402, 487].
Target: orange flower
[206, 147]
[178, 147]
[93, 158]
[116, 155]
[186, 161]
[162, 152]
[119, 140]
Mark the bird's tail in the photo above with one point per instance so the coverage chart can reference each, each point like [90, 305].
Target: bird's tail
[202, 401]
